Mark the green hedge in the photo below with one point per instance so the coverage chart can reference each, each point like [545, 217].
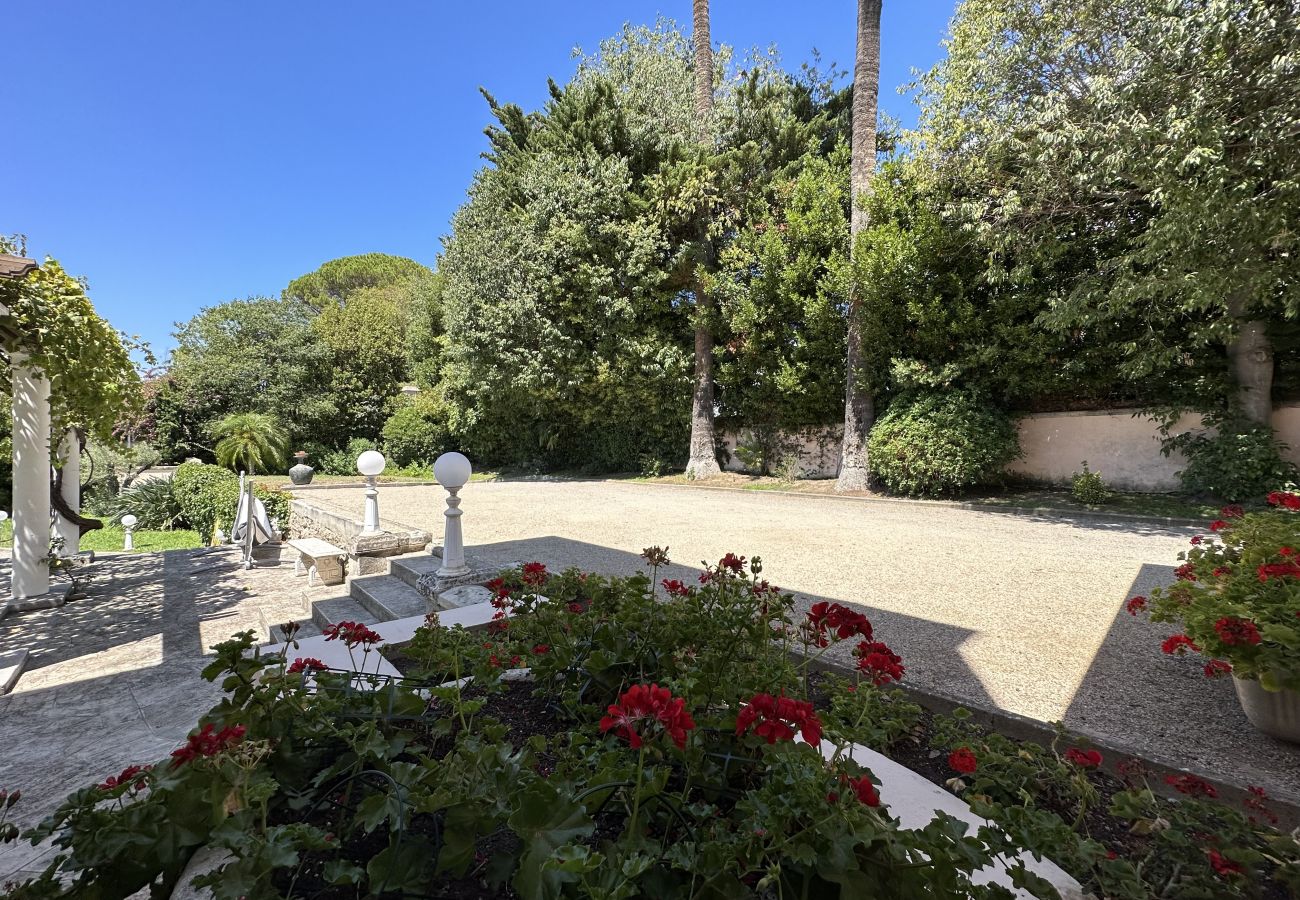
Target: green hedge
[939, 444]
[209, 496]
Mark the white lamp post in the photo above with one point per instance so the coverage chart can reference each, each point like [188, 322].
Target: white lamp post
[452, 471]
[371, 464]
[128, 523]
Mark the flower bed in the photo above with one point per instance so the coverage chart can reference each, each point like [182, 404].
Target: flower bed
[669, 745]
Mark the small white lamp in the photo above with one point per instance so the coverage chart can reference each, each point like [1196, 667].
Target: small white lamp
[452, 471]
[371, 464]
[128, 524]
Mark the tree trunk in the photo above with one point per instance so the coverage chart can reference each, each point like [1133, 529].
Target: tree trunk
[703, 460]
[1251, 353]
[859, 404]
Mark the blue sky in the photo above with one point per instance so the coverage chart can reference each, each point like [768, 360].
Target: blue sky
[182, 154]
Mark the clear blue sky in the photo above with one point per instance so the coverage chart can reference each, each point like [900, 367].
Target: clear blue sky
[182, 154]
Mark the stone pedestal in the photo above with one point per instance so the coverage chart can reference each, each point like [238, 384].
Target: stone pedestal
[31, 496]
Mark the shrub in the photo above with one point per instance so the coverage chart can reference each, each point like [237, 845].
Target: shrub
[153, 502]
[1235, 461]
[343, 460]
[417, 433]
[939, 444]
[209, 495]
[1088, 488]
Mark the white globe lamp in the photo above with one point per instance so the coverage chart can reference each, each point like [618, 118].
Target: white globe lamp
[453, 471]
[128, 525]
[371, 464]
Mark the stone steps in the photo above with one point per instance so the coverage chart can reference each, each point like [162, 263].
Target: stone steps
[340, 609]
[388, 597]
[411, 568]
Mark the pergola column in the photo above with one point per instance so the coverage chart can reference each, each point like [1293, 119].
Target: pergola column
[31, 513]
[70, 459]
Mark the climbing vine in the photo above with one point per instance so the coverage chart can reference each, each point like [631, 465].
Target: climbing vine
[93, 382]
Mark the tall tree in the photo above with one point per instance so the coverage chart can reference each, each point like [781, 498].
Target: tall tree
[703, 460]
[859, 402]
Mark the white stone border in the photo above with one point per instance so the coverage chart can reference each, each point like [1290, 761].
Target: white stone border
[912, 797]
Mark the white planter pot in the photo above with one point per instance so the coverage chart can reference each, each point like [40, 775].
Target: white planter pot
[1272, 712]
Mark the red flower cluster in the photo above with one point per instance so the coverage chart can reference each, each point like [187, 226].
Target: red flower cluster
[648, 703]
[1185, 572]
[963, 760]
[1220, 571]
[733, 562]
[540, 649]
[1084, 759]
[576, 608]
[1196, 538]
[863, 787]
[879, 662]
[310, 664]
[500, 593]
[208, 742]
[1233, 631]
[132, 775]
[352, 634]
[1222, 865]
[1179, 643]
[676, 588]
[1217, 667]
[1232, 511]
[1284, 498]
[1191, 785]
[836, 619]
[778, 718]
[1257, 801]
[1135, 604]
[534, 574]
[1216, 526]
[1278, 570]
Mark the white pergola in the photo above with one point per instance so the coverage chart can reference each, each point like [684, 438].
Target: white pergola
[31, 512]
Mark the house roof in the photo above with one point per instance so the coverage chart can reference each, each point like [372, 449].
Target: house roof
[15, 266]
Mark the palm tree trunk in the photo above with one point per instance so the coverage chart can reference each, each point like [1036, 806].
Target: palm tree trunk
[703, 460]
[859, 404]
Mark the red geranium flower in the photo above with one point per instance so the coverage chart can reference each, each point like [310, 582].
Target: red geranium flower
[132, 775]
[540, 649]
[1233, 631]
[879, 662]
[1284, 498]
[1217, 667]
[1222, 865]
[1220, 571]
[1232, 511]
[1084, 759]
[865, 789]
[1216, 525]
[310, 664]
[1196, 539]
[534, 574]
[733, 562]
[1191, 785]
[1278, 570]
[838, 619]
[778, 718]
[1179, 643]
[1135, 604]
[576, 608]
[1185, 572]
[676, 588]
[963, 760]
[351, 634]
[648, 703]
[208, 742]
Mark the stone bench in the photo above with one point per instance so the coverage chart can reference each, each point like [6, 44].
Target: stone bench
[319, 561]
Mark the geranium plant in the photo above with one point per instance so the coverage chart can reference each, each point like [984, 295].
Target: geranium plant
[1237, 595]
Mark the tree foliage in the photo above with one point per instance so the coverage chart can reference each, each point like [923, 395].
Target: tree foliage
[337, 280]
[253, 442]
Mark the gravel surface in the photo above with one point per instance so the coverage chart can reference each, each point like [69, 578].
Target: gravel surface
[1020, 613]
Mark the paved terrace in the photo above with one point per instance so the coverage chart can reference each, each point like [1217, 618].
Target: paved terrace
[1022, 614]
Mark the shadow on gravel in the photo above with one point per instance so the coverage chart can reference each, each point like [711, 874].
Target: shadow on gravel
[1164, 707]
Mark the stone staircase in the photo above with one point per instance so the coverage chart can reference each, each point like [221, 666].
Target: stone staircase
[382, 598]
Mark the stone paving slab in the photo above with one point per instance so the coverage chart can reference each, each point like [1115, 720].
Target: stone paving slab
[1016, 612]
[113, 679]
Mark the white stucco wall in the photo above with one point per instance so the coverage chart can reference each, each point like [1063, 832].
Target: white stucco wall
[1121, 444]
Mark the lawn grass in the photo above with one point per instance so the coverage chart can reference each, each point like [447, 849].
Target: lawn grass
[111, 538]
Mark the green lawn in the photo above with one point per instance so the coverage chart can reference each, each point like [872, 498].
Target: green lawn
[111, 537]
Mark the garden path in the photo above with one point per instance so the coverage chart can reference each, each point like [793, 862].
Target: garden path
[114, 678]
[1023, 614]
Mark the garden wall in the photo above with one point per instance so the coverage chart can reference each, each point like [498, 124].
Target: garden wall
[1120, 444]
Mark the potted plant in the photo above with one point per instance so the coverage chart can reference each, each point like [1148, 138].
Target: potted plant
[1237, 599]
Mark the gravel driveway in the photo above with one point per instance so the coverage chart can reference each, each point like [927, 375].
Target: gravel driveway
[1020, 613]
